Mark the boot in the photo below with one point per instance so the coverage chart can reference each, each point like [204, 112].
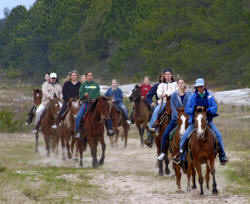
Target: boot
[223, 159]
[149, 141]
[110, 132]
[177, 157]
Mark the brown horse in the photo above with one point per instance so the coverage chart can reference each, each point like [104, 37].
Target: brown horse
[67, 129]
[118, 120]
[142, 113]
[37, 99]
[202, 149]
[182, 125]
[92, 130]
[51, 136]
[162, 122]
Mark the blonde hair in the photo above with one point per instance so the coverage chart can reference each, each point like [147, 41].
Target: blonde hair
[68, 77]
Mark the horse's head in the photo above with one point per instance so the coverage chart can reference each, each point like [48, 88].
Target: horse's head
[136, 94]
[37, 95]
[182, 120]
[74, 106]
[200, 121]
[168, 108]
[103, 106]
[54, 107]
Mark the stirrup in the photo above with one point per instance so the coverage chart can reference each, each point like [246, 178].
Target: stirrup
[177, 158]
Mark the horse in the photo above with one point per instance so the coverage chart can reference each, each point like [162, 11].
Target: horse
[67, 129]
[163, 121]
[92, 130]
[202, 149]
[118, 120]
[182, 124]
[50, 134]
[142, 114]
[37, 99]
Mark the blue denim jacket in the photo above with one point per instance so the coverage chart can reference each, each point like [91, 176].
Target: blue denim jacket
[117, 94]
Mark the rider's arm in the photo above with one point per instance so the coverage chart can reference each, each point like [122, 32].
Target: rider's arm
[212, 109]
[189, 109]
[45, 91]
[120, 96]
[173, 107]
[160, 90]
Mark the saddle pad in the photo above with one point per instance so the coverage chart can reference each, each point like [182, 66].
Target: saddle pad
[172, 133]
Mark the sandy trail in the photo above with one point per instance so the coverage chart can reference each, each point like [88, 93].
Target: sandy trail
[131, 176]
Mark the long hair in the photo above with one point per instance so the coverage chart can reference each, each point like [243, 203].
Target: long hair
[68, 77]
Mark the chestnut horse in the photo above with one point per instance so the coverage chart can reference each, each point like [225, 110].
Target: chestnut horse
[37, 99]
[92, 130]
[48, 119]
[174, 146]
[118, 120]
[162, 122]
[202, 149]
[67, 129]
[142, 114]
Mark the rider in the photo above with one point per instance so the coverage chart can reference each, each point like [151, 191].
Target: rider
[116, 92]
[83, 78]
[164, 89]
[153, 93]
[50, 89]
[178, 100]
[201, 98]
[70, 90]
[145, 88]
[88, 92]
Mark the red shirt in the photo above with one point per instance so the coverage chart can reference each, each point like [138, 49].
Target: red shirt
[145, 89]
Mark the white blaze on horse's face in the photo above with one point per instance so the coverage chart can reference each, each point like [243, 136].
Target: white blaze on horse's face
[37, 95]
[183, 125]
[199, 119]
[75, 104]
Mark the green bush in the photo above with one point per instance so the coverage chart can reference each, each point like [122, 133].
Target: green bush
[7, 121]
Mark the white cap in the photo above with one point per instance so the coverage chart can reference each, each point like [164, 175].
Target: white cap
[199, 82]
[53, 75]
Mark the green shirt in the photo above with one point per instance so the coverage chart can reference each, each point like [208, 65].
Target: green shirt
[91, 88]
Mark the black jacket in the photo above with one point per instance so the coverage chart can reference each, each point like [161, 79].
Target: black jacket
[70, 90]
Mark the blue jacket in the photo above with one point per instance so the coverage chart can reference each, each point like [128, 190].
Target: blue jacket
[117, 94]
[211, 110]
[176, 102]
[151, 94]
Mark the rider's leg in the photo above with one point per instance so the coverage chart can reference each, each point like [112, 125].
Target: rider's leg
[165, 137]
[39, 113]
[222, 156]
[125, 112]
[59, 116]
[109, 126]
[158, 109]
[79, 118]
[132, 115]
[184, 138]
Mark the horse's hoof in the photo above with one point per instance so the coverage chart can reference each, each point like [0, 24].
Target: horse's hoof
[63, 158]
[179, 191]
[188, 189]
[95, 165]
[161, 173]
[215, 192]
[201, 193]
[37, 151]
[81, 164]
[69, 156]
[76, 159]
[167, 171]
[194, 187]
[101, 162]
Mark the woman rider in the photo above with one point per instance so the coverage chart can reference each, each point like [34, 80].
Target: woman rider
[116, 92]
[88, 92]
[178, 100]
[70, 90]
[201, 98]
[50, 90]
[164, 89]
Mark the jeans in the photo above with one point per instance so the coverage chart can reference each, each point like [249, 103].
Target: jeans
[39, 112]
[108, 124]
[62, 110]
[158, 109]
[213, 127]
[166, 133]
[80, 115]
[123, 109]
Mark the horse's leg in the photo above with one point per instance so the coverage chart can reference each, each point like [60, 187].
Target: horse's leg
[80, 149]
[68, 145]
[138, 125]
[177, 170]
[198, 168]
[193, 175]
[207, 175]
[76, 150]
[160, 165]
[167, 170]
[125, 132]
[101, 161]
[214, 190]
[188, 178]
[63, 144]
[36, 147]
[111, 139]
[47, 143]
[117, 132]
[93, 147]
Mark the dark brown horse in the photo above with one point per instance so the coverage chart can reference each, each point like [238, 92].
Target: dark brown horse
[202, 149]
[174, 146]
[67, 129]
[118, 120]
[92, 130]
[50, 134]
[162, 122]
[142, 113]
[37, 99]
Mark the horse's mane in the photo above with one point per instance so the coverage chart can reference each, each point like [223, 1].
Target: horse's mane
[92, 108]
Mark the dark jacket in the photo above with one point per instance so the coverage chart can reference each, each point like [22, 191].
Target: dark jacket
[70, 90]
[152, 93]
[117, 94]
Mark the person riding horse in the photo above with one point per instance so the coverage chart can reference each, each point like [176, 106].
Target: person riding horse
[115, 92]
[178, 100]
[201, 98]
[88, 93]
[165, 88]
[70, 90]
[145, 89]
[50, 89]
